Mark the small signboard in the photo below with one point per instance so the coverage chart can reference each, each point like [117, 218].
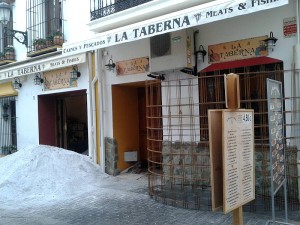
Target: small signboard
[276, 143]
[276, 133]
[133, 66]
[289, 27]
[238, 158]
[237, 50]
[58, 79]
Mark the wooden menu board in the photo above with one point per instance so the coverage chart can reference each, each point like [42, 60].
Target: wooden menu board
[275, 112]
[236, 169]
[238, 158]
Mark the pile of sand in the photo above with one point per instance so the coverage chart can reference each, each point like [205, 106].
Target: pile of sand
[45, 173]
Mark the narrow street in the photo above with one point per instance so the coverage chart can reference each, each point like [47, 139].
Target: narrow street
[118, 200]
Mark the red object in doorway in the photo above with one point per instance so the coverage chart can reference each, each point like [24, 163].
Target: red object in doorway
[46, 109]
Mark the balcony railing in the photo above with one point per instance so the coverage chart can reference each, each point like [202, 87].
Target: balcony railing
[102, 8]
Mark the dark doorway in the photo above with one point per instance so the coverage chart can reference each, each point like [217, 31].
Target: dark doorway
[63, 120]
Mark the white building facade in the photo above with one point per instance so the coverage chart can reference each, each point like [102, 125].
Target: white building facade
[119, 49]
[46, 105]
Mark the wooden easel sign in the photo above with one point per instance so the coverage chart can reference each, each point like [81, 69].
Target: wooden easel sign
[231, 137]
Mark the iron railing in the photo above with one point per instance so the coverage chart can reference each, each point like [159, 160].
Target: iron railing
[102, 8]
[8, 126]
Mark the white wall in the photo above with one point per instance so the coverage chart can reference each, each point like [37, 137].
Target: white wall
[77, 15]
[121, 52]
[27, 106]
[180, 100]
[19, 17]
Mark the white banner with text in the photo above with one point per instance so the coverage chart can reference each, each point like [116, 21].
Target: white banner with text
[202, 14]
[42, 65]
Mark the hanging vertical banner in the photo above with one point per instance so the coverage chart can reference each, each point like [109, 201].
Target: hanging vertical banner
[194, 16]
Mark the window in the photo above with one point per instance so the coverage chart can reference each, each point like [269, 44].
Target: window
[8, 128]
[252, 94]
[44, 24]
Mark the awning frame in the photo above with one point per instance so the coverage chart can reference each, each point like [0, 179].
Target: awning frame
[240, 63]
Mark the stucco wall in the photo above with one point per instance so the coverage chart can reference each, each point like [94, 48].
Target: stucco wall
[121, 52]
[27, 106]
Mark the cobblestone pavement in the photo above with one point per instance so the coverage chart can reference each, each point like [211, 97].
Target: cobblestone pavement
[120, 200]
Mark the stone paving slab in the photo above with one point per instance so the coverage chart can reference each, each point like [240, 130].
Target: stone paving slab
[118, 201]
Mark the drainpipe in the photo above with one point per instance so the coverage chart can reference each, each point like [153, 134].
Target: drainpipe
[298, 67]
[101, 110]
[195, 53]
[92, 146]
[297, 11]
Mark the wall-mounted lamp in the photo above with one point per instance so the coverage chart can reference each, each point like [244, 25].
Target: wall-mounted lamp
[270, 41]
[5, 10]
[201, 52]
[157, 76]
[188, 71]
[17, 84]
[111, 65]
[75, 74]
[38, 80]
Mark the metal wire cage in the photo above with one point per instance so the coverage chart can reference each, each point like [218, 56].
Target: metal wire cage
[177, 136]
[179, 162]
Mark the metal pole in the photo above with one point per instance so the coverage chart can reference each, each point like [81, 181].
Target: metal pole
[285, 199]
[271, 160]
[272, 189]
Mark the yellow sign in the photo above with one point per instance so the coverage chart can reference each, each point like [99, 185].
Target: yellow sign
[133, 66]
[57, 79]
[236, 50]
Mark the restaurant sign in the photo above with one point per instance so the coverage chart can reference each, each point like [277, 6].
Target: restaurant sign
[41, 66]
[133, 66]
[237, 50]
[183, 19]
[57, 79]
